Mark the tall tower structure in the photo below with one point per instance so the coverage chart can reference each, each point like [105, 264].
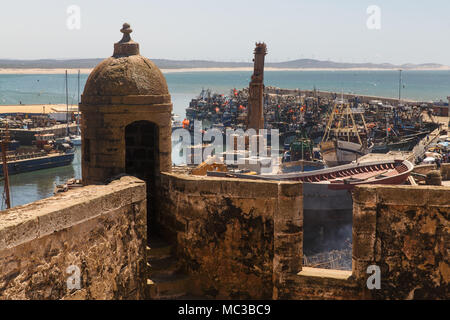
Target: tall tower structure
[255, 116]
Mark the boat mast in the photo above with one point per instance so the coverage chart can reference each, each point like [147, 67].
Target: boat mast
[78, 105]
[4, 144]
[354, 126]
[400, 87]
[326, 135]
[67, 105]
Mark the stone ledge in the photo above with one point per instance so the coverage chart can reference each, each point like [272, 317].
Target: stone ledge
[325, 273]
[100, 109]
[35, 220]
[401, 195]
[91, 101]
[230, 187]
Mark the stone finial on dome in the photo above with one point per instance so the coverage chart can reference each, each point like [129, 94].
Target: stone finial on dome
[126, 30]
[126, 47]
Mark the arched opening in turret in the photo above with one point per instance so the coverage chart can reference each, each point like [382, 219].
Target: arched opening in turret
[142, 161]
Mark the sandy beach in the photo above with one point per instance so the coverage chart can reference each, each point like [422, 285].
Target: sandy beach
[43, 71]
[35, 108]
[246, 69]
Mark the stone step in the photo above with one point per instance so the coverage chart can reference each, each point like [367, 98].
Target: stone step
[167, 287]
[165, 266]
[158, 249]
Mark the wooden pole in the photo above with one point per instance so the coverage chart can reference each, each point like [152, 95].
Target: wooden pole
[4, 144]
[67, 105]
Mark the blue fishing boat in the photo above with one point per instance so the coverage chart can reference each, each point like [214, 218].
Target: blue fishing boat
[48, 154]
[37, 161]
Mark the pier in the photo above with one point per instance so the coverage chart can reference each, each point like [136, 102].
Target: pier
[347, 96]
[46, 118]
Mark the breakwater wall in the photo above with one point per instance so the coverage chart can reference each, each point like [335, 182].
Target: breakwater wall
[334, 95]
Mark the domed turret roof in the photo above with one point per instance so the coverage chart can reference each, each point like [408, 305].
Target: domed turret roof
[126, 73]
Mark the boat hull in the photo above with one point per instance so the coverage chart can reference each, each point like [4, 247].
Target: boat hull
[336, 153]
[27, 165]
[396, 179]
[406, 145]
[301, 166]
[76, 142]
[345, 177]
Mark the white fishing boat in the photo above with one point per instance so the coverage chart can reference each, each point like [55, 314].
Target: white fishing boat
[339, 152]
[342, 142]
[76, 140]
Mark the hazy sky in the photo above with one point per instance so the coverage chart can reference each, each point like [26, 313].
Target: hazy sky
[411, 31]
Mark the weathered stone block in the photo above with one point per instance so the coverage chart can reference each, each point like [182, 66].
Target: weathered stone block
[364, 219]
[291, 189]
[289, 208]
[404, 195]
[365, 196]
[440, 197]
[363, 245]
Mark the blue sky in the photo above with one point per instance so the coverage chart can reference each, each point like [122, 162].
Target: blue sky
[411, 31]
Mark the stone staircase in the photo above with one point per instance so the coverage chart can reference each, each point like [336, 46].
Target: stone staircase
[165, 281]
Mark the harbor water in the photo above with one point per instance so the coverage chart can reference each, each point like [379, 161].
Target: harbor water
[183, 86]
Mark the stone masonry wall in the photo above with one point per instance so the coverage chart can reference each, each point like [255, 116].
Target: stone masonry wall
[404, 230]
[445, 171]
[99, 229]
[232, 236]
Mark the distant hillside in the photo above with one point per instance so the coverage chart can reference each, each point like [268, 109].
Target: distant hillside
[49, 64]
[178, 64]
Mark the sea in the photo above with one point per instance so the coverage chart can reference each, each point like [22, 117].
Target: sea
[184, 86]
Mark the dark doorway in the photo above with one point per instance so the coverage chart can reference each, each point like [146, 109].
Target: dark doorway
[142, 161]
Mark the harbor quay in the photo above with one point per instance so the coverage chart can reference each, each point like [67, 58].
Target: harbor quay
[26, 121]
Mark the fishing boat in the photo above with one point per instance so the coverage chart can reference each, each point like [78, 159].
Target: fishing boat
[176, 124]
[343, 142]
[327, 193]
[344, 177]
[301, 166]
[300, 156]
[48, 154]
[19, 163]
[12, 145]
[405, 144]
[76, 140]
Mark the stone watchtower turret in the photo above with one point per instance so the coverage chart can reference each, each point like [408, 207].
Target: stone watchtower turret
[126, 118]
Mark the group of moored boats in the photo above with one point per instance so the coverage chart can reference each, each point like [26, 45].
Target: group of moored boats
[47, 152]
[333, 169]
